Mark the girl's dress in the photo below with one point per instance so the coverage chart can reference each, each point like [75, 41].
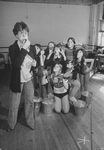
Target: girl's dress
[82, 68]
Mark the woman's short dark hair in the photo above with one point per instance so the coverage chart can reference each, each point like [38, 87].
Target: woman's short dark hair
[19, 26]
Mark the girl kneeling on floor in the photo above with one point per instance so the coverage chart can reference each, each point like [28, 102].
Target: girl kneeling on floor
[60, 89]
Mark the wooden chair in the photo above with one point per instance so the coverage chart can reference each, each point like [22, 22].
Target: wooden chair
[97, 62]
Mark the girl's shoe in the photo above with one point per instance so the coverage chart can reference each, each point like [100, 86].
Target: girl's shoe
[9, 129]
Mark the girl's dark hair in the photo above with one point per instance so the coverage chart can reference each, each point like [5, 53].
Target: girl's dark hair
[54, 63]
[57, 46]
[52, 43]
[81, 67]
[19, 26]
[80, 49]
[38, 45]
[37, 55]
[71, 38]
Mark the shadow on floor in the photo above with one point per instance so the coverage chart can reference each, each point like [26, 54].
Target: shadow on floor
[72, 109]
[4, 113]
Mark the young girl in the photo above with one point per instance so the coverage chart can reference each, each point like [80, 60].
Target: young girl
[50, 48]
[48, 54]
[40, 61]
[55, 55]
[84, 69]
[60, 89]
[71, 75]
[40, 54]
[70, 48]
[58, 55]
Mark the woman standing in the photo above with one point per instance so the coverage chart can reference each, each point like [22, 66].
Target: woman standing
[23, 60]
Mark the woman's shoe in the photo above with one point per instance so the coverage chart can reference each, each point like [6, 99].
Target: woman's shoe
[9, 129]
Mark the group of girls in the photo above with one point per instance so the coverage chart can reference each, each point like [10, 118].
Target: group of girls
[62, 71]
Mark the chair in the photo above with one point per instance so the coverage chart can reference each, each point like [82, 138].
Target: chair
[97, 62]
[2, 62]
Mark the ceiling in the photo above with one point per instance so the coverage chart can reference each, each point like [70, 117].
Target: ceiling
[67, 2]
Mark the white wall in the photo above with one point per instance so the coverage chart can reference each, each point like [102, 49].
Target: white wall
[47, 22]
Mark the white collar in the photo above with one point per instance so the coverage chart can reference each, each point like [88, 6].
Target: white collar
[19, 44]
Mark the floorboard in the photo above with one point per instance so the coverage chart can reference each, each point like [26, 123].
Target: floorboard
[55, 131]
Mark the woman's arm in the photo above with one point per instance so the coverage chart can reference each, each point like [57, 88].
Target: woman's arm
[68, 74]
[63, 54]
[89, 60]
[42, 58]
[91, 65]
[65, 83]
[50, 53]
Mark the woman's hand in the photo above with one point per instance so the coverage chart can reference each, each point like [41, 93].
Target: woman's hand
[63, 54]
[26, 45]
[42, 52]
[34, 63]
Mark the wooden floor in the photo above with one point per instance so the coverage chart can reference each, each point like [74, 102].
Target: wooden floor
[55, 131]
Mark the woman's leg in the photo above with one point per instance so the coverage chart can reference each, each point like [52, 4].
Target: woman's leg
[40, 87]
[44, 90]
[57, 104]
[81, 78]
[75, 87]
[86, 81]
[65, 104]
[50, 90]
[29, 106]
[13, 108]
